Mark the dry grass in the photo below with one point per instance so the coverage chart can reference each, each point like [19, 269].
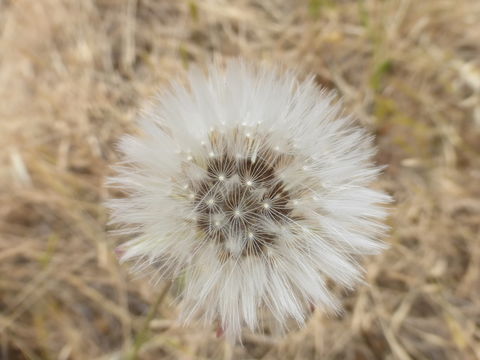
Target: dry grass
[72, 76]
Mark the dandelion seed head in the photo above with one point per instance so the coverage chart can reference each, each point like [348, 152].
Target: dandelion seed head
[227, 189]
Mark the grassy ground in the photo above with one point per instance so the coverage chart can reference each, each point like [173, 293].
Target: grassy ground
[72, 77]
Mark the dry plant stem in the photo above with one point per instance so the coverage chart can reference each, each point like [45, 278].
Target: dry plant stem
[142, 335]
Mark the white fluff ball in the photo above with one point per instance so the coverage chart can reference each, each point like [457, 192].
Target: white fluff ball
[251, 187]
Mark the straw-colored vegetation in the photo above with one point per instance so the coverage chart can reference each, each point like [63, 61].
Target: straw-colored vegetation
[73, 74]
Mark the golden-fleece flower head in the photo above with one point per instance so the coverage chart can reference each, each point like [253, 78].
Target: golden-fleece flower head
[251, 187]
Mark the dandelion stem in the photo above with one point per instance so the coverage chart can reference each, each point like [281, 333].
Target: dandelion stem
[142, 335]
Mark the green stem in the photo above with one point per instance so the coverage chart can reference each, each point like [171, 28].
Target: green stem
[142, 335]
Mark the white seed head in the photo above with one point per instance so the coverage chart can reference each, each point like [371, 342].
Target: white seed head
[256, 229]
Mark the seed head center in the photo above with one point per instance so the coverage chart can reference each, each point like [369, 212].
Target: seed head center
[249, 190]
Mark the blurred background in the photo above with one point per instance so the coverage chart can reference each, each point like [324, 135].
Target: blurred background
[73, 75]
